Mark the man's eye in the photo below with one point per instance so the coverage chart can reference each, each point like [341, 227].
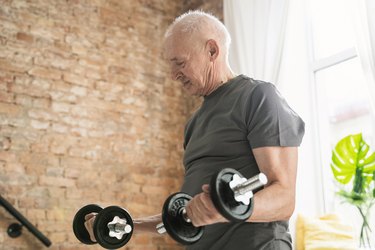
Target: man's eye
[180, 63]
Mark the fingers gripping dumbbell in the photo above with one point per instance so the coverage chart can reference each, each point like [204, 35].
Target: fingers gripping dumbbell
[176, 222]
[113, 226]
[232, 194]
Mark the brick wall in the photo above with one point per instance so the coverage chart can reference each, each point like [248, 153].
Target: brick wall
[87, 113]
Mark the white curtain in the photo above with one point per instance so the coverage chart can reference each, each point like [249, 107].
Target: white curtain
[257, 28]
[282, 59]
[364, 20]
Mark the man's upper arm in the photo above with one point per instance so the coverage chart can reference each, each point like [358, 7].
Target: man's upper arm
[279, 164]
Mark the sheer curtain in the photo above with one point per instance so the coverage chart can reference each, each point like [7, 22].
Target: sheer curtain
[364, 20]
[257, 28]
[280, 56]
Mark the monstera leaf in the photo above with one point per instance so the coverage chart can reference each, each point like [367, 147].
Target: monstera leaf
[352, 157]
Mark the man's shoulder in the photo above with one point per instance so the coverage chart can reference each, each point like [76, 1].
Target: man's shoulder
[248, 87]
[251, 84]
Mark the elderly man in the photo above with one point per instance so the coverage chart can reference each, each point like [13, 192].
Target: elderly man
[243, 124]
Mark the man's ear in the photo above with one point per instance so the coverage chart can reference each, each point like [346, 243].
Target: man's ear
[213, 49]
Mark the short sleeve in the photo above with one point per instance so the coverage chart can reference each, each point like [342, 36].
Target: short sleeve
[269, 119]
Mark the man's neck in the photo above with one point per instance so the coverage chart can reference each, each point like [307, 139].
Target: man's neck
[222, 79]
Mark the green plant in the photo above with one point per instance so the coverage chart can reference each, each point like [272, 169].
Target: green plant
[353, 166]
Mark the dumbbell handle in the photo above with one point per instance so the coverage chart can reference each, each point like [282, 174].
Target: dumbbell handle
[243, 188]
[160, 227]
[118, 227]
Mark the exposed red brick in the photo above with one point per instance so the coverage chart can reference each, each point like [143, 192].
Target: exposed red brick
[25, 37]
[88, 113]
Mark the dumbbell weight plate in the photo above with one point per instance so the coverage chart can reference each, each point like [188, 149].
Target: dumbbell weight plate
[223, 197]
[180, 230]
[101, 230]
[79, 228]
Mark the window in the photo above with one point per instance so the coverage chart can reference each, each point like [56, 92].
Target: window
[341, 96]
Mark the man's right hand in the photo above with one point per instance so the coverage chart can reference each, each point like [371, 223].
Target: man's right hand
[89, 224]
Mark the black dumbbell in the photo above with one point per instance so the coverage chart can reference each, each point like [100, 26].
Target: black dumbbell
[232, 194]
[174, 217]
[175, 220]
[113, 226]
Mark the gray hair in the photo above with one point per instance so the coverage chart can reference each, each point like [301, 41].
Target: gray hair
[192, 21]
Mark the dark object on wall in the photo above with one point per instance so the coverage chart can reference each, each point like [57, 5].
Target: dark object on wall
[16, 230]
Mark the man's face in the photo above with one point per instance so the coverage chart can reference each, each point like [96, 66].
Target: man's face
[188, 64]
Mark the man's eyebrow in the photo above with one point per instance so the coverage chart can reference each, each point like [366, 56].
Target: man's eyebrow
[173, 59]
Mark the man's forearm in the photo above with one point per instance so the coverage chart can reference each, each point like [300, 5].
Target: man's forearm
[273, 204]
[146, 224]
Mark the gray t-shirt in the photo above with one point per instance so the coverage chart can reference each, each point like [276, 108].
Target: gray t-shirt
[239, 116]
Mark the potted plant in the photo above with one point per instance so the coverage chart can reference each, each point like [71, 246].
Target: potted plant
[353, 166]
